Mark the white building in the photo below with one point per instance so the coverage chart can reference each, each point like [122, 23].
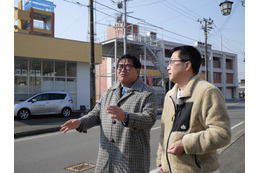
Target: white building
[154, 53]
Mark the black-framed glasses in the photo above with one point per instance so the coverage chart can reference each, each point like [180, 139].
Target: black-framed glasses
[127, 67]
[172, 61]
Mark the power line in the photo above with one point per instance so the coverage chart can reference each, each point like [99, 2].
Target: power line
[226, 41]
[188, 9]
[77, 3]
[147, 4]
[108, 7]
[104, 13]
[143, 21]
[180, 11]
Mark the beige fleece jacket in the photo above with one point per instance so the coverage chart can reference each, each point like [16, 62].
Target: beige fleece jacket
[208, 129]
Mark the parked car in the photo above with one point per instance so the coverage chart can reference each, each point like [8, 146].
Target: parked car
[49, 102]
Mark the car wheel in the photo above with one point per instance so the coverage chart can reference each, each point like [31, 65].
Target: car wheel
[24, 114]
[66, 112]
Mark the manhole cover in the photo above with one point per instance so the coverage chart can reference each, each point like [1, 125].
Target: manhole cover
[81, 167]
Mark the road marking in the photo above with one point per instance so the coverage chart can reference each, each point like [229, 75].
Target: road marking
[155, 170]
[81, 167]
[237, 125]
[155, 128]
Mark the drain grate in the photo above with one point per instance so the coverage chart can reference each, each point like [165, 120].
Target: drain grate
[81, 167]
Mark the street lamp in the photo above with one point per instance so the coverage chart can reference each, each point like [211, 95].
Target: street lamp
[226, 7]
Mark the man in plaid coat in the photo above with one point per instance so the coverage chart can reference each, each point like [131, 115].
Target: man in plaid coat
[125, 113]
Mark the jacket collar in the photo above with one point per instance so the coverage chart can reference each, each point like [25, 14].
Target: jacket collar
[137, 85]
[187, 91]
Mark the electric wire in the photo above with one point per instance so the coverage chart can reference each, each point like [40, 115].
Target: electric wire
[145, 5]
[143, 21]
[180, 11]
[168, 5]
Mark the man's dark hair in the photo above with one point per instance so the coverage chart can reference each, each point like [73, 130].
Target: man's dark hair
[191, 54]
[137, 63]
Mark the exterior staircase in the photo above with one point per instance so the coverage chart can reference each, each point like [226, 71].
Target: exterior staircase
[156, 59]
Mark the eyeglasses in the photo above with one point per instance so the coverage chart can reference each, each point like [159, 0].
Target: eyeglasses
[172, 61]
[127, 67]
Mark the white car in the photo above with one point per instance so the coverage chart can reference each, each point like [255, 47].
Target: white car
[49, 102]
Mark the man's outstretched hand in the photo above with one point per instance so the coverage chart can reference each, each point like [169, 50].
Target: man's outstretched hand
[71, 124]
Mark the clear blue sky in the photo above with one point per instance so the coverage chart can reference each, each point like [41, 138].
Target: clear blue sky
[177, 16]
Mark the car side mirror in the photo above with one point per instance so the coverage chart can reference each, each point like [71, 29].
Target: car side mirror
[34, 100]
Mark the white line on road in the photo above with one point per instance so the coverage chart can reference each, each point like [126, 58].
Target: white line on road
[155, 128]
[156, 170]
[237, 125]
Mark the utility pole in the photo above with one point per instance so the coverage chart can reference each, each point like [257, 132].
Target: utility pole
[206, 49]
[206, 28]
[92, 57]
[125, 29]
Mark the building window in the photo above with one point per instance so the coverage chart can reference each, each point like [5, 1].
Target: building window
[71, 69]
[36, 75]
[216, 62]
[21, 84]
[60, 84]
[21, 67]
[47, 67]
[203, 62]
[47, 83]
[168, 53]
[72, 87]
[229, 64]
[230, 78]
[35, 67]
[34, 84]
[60, 68]
[217, 77]
[72, 84]
[20, 79]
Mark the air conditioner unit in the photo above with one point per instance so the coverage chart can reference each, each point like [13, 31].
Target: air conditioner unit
[152, 35]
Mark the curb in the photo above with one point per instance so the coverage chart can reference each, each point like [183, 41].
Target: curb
[36, 132]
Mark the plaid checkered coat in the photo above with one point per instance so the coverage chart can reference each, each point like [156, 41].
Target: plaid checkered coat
[124, 148]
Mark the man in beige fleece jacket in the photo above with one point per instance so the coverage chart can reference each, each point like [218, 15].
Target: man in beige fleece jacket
[195, 122]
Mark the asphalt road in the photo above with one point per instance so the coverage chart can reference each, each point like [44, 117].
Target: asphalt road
[57, 152]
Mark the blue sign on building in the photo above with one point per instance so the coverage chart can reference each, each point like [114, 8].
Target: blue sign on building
[39, 4]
